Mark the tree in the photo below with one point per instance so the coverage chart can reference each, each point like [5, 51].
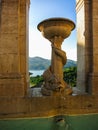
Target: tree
[70, 76]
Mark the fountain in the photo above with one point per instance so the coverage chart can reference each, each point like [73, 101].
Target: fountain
[56, 30]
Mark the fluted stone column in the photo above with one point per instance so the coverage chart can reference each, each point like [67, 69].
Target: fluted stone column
[94, 73]
[13, 47]
[87, 54]
[84, 45]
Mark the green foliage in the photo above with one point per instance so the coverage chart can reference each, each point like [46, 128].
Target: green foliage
[36, 81]
[70, 76]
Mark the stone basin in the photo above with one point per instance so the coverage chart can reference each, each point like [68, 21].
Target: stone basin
[56, 27]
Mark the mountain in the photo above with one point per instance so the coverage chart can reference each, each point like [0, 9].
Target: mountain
[39, 63]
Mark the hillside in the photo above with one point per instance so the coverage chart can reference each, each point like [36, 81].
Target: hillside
[39, 63]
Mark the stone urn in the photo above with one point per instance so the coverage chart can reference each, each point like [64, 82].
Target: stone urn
[56, 30]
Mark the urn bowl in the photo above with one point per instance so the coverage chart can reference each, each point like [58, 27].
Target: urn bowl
[56, 27]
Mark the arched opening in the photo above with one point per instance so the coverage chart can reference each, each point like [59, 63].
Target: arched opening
[40, 47]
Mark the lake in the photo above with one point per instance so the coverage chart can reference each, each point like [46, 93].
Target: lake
[36, 72]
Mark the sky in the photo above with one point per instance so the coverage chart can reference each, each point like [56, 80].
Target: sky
[41, 10]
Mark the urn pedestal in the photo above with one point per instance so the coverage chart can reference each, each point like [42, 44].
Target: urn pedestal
[56, 30]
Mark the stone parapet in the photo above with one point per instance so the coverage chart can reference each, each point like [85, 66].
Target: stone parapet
[47, 106]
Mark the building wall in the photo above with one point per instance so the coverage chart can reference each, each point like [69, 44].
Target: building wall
[14, 103]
